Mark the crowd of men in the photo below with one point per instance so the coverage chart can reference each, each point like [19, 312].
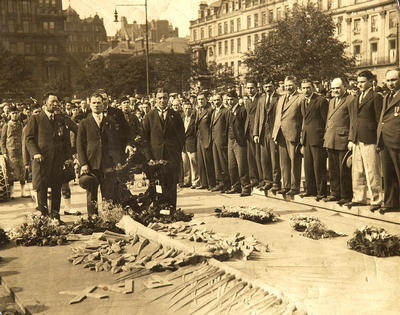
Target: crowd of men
[347, 136]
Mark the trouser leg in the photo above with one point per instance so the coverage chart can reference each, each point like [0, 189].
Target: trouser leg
[311, 187]
[334, 173]
[193, 168]
[284, 160]
[232, 165]
[358, 175]
[372, 169]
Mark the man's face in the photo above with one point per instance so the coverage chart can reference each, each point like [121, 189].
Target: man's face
[36, 111]
[125, 106]
[51, 103]
[75, 111]
[201, 101]
[27, 112]
[337, 88]
[290, 86]
[132, 100]
[84, 105]
[6, 109]
[251, 89]
[176, 105]
[67, 106]
[217, 100]
[187, 109]
[268, 88]
[96, 104]
[393, 80]
[363, 83]
[307, 88]
[14, 115]
[162, 100]
[232, 101]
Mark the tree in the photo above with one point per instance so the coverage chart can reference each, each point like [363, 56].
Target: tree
[303, 44]
[15, 75]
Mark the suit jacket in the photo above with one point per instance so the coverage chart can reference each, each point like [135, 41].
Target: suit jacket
[237, 120]
[265, 115]
[288, 118]
[389, 124]
[82, 115]
[203, 127]
[364, 118]
[163, 140]
[251, 108]
[314, 120]
[338, 123]
[95, 145]
[190, 135]
[219, 127]
[51, 140]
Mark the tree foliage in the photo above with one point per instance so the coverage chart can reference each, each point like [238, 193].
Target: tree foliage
[15, 74]
[303, 44]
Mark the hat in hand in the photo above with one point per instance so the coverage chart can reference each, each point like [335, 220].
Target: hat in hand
[347, 159]
[87, 180]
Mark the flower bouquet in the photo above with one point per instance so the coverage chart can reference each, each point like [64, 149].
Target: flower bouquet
[312, 227]
[258, 215]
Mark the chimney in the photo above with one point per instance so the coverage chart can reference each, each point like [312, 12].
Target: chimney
[203, 5]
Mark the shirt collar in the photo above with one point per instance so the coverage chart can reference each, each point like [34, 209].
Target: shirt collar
[48, 114]
[234, 107]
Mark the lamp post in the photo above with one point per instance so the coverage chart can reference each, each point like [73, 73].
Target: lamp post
[147, 38]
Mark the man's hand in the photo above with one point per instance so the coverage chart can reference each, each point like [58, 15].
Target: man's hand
[151, 162]
[129, 149]
[350, 146]
[38, 157]
[85, 169]
[379, 149]
[256, 139]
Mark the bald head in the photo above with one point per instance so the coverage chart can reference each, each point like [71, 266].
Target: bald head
[338, 87]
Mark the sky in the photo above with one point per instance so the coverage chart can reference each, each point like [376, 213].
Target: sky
[178, 12]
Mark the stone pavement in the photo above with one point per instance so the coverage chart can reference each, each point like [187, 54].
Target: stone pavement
[323, 275]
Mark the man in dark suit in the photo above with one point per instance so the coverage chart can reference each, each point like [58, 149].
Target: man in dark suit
[164, 137]
[84, 111]
[336, 140]
[253, 149]
[189, 154]
[262, 134]
[96, 153]
[204, 143]
[389, 141]
[286, 134]
[364, 118]
[48, 145]
[314, 110]
[219, 136]
[237, 151]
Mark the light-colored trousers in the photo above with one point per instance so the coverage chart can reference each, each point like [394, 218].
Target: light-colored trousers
[190, 169]
[366, 173]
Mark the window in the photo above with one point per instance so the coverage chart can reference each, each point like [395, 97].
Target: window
[210, 31]
[232, 46]
[226, 27]
[263, 36]
[46, 27]
[25, 26]
[357, 54]
[249, 43]
[219, 29]
[392, 19]
[270, 16]
[20, 48]
[28, 49]
[26, 7]
[202, 33]
[248, 21]
[232, 26]
[278, 14]
[339, 3]
[357, 26]
[239, 65]
[238, 24]
[392, 51]
[51, 27]
[47, 3]
[195, 35]
[219, 48]
[339, 27]
[374, 53]
[374, 23]
[13, 48]
[263, 18]
[256, 20]
[329, 4]
[239, 44]
[256, 38]
[225, 47]
[53, 3]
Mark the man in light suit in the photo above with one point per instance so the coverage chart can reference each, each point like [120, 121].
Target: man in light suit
[286, 134]
[314, 109]
[364, 118]
[389, 141]
[336, 141]
[262, 134]
[253, 149]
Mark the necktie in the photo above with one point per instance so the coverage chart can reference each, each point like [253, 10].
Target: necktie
[361, 96]
[390, 97]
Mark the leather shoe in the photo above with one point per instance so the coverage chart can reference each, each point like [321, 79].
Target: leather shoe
[216, 188]
[353, 204]
[201, 187]
[319, 197]
[331, 198]
[293, 192]
[245, 194]
[233, 191]
[305, 194]
[283, 191]
[260, 185]
[341, 202]
[275, 188]
[383, 210]
[267, 186]
[254, 184]
[373, 208]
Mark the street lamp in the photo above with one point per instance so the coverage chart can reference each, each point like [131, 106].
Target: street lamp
[147, 37]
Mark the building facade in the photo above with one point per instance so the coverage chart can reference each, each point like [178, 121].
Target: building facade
[226, 29]
[35, 29]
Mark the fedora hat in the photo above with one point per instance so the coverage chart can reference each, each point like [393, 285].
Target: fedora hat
[347, 159]
[87, 180]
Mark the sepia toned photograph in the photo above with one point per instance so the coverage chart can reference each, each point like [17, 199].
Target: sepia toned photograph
[199, 157]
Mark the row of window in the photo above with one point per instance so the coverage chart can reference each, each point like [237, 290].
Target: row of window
[28, 27]
[229, 46]
[78, 49]
[392, 52]
[12, 6]
[32, 49]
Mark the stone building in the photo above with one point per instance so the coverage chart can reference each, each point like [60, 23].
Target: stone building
[35, 29]
[226, 29]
